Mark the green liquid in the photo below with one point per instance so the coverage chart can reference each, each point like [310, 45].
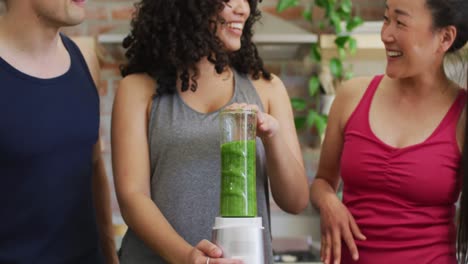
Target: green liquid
[238, 188]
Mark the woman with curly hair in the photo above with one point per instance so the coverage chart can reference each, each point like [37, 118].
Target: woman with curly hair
[187, 61]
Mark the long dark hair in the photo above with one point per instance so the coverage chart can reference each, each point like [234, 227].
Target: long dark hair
[169, 37]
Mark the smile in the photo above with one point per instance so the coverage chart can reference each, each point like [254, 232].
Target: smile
[394, 54]
[235, 25]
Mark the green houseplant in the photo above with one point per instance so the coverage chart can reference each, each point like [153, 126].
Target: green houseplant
[338, 20]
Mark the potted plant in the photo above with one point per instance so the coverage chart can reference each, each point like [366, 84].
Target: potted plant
[338, 20]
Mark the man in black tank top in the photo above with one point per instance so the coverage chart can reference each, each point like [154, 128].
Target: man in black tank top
[54, 190]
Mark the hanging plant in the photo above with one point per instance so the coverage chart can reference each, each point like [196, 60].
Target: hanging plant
[338, 19]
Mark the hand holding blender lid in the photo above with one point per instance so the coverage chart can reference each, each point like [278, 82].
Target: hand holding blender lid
[238, 231]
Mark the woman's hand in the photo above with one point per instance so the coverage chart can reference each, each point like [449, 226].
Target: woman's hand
[337, 224]
[267, 125]
[206, 252]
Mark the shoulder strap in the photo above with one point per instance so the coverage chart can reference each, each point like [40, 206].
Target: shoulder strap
[76, 56]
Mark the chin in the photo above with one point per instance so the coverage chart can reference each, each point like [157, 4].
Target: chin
[392, 73]
[70, 23]
[73, 20]
[234, 49]
[232, 46]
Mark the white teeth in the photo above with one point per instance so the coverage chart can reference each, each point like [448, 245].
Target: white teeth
[394, 53]
[239, 26]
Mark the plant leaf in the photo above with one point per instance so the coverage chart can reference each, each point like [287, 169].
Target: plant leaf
[285, 4]
[349, 75]
[298, 104]
[336, 21]
[341, 53]
[336, 67]
[353, 23]
[341, 41]
[315, 52]
[311, 116]
[314, 85]
[307, 14]
[321, 124]
[352, 44]
[346, 6]
[300, 122]
[322, 25]
[320, 3]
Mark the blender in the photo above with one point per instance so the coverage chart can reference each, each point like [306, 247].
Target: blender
[238, 231]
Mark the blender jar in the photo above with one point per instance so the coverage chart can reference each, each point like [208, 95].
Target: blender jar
[238, 152]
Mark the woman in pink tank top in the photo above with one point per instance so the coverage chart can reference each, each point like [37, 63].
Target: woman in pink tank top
[395, 141]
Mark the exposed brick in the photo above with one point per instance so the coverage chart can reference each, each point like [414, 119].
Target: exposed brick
[97, 13]
[100, 27]
[123, 12]
[293, 13]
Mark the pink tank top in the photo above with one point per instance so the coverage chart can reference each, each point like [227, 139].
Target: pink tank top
[403, 199]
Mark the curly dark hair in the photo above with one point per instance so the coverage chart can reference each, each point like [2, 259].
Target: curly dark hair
[171, 36]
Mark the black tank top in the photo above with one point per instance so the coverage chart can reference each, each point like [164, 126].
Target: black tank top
[47, 131]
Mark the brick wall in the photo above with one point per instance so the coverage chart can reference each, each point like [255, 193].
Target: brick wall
[105, 15]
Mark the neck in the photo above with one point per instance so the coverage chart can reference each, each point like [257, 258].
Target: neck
[425, 84]
[37, 39]
[206, 70]
[207, 73]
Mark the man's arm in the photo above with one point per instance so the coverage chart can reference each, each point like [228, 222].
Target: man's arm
[101, 192]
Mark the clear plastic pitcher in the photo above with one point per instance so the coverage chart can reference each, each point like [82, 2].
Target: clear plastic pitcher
[238, 188]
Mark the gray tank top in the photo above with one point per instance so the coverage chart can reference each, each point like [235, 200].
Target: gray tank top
[186, 175]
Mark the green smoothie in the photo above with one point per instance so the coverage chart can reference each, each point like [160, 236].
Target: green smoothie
[238, 188]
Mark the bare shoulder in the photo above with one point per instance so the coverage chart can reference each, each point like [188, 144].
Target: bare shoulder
[274, 83]
[348, 96]
[88, 48]
[270, 91]
[137, 84]
[354, 87]
[134, 95]
[87, 45]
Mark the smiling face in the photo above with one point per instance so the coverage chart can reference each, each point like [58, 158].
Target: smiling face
[411, 43]
[234, 14]
[60, 12]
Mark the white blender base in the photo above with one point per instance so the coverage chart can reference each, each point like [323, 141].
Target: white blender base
[240, 238]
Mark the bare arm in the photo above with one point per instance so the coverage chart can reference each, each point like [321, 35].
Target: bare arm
[337, 224]
[101, 192]
[101, 199]
[285, 165]
[327, 178]
[131, 163]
